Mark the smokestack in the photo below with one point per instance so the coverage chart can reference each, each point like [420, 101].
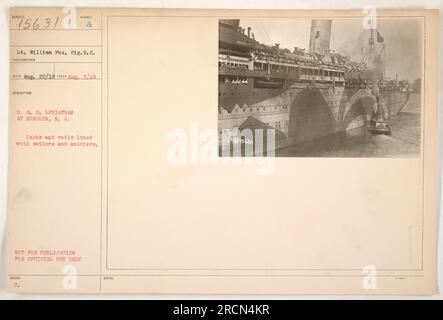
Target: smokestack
[249, 32]
[320, 36]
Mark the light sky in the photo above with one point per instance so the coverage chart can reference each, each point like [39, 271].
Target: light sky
[402, 38]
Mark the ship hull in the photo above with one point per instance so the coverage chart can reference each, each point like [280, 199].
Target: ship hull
[298, 112]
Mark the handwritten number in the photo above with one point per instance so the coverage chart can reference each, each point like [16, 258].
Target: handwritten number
[27, 24]
[47, 23]
[35, 25]
[30, 23]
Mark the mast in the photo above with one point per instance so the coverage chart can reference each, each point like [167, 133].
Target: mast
[372, 57]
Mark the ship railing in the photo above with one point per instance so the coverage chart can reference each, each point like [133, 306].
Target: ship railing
[257, 73]
[225, 57]
[307, 77]
[337, 79]
[286, 64]
[233, 66]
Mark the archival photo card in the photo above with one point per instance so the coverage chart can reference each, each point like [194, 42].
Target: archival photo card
[320, 87]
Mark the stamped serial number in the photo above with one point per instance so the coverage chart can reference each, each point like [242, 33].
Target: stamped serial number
[223, 309]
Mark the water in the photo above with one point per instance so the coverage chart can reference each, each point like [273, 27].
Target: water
[403, 142]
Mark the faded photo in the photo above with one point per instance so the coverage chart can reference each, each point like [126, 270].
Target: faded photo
[320, 88]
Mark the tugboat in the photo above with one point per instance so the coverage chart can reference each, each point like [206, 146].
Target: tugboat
[378, 123]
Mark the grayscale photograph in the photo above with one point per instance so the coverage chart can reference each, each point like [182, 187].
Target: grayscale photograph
[320, 87]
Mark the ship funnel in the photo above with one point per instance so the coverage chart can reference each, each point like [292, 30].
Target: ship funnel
[320, 36]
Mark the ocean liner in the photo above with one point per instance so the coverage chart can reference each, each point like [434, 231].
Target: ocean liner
[301, 95]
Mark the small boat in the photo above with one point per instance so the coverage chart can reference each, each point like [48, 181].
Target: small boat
[379, 126]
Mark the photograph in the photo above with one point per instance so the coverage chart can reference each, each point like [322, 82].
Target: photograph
[320, 87]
